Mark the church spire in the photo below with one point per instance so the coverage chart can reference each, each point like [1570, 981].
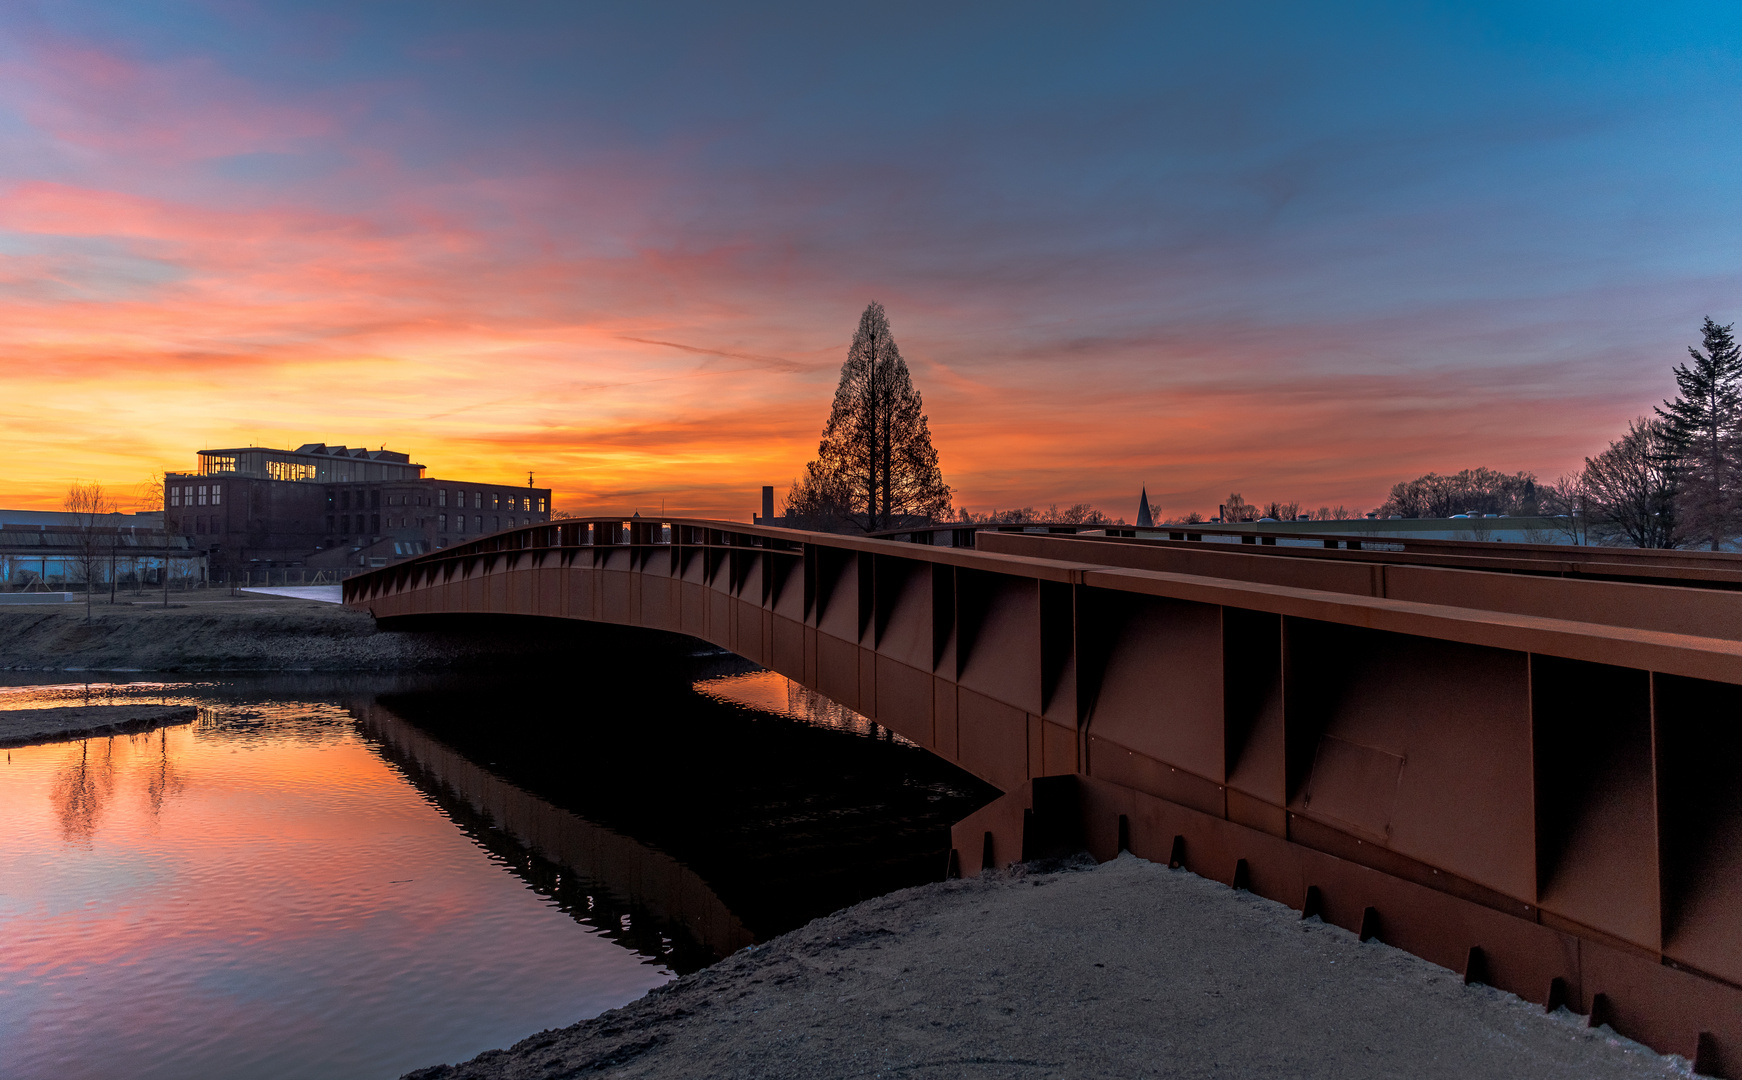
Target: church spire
[1144, 520]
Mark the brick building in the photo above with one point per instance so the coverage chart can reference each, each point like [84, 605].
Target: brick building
[332, 506]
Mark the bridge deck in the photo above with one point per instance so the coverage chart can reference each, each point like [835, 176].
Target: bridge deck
[1526, 766]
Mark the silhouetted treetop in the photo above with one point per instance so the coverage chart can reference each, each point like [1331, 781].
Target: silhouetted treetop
[875, 466]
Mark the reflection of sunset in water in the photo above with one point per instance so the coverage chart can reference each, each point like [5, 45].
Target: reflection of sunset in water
[81, 787]
[260, 894]
[772, 692]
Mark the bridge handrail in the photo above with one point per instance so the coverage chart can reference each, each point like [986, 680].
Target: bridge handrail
[1723, 569]
[1714, 658]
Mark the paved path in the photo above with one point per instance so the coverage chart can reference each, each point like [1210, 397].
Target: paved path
[326, 594]
[1125, 970]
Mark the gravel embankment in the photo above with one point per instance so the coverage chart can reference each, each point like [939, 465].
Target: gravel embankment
[215, 632]
[21, 727]
[1129, 969]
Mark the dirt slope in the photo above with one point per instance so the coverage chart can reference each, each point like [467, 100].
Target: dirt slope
[1125, 970]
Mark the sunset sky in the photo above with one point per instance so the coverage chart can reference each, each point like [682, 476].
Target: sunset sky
[1203, 248]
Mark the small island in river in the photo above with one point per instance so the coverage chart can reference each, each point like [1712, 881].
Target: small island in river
[22, 727]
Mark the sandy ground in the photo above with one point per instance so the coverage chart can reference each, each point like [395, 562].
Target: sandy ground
[214, 631]
[1124, 970]
[21, 727]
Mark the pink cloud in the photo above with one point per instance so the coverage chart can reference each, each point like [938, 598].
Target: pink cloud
[186, 109]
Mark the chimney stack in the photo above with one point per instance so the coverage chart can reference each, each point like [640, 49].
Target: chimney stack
[767, 505]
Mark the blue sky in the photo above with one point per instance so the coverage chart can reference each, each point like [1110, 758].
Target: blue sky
[1288, 250]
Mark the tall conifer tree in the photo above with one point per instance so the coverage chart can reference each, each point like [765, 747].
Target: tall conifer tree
[1702, 430]
[875, 464]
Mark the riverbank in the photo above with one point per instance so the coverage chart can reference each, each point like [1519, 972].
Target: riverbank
[24, 727]
[216, 632]
[1126, 969]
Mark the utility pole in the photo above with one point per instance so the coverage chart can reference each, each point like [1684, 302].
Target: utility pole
[114, 542]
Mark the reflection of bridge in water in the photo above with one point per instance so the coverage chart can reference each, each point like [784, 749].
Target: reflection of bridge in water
[1522, 763]
[622, 881]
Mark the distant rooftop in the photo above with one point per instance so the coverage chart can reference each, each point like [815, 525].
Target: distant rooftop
[348, 452]
[37, 519]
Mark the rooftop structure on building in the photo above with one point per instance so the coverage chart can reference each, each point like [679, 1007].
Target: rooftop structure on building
[316, 462]
[1144, 519]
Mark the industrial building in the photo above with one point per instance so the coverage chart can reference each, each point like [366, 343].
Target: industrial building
[51, 549]
[332, 507]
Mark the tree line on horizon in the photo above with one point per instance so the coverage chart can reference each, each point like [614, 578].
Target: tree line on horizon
[1673, 479]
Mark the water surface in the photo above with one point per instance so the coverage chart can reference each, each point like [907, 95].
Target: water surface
[353, 877]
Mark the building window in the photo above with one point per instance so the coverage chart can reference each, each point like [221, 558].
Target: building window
[289, 470]
[478, 521]
[375, 524]
[329, 527]
[175, 496]
[215, 494]
[541, 505]
[441, 523]
[202, 498]
[442, 497]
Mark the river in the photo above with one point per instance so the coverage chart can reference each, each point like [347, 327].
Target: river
[332, 876]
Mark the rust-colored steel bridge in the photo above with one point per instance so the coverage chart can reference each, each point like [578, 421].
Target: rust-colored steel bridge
[1522, 763]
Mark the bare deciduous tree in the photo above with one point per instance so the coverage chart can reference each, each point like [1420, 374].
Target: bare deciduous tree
[1237, 509]
[1482, 491]
[1630, 487]
[92, 540]
[150, 494]
[1567, 502]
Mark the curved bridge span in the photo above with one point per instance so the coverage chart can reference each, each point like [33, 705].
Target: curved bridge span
[1523, 764]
